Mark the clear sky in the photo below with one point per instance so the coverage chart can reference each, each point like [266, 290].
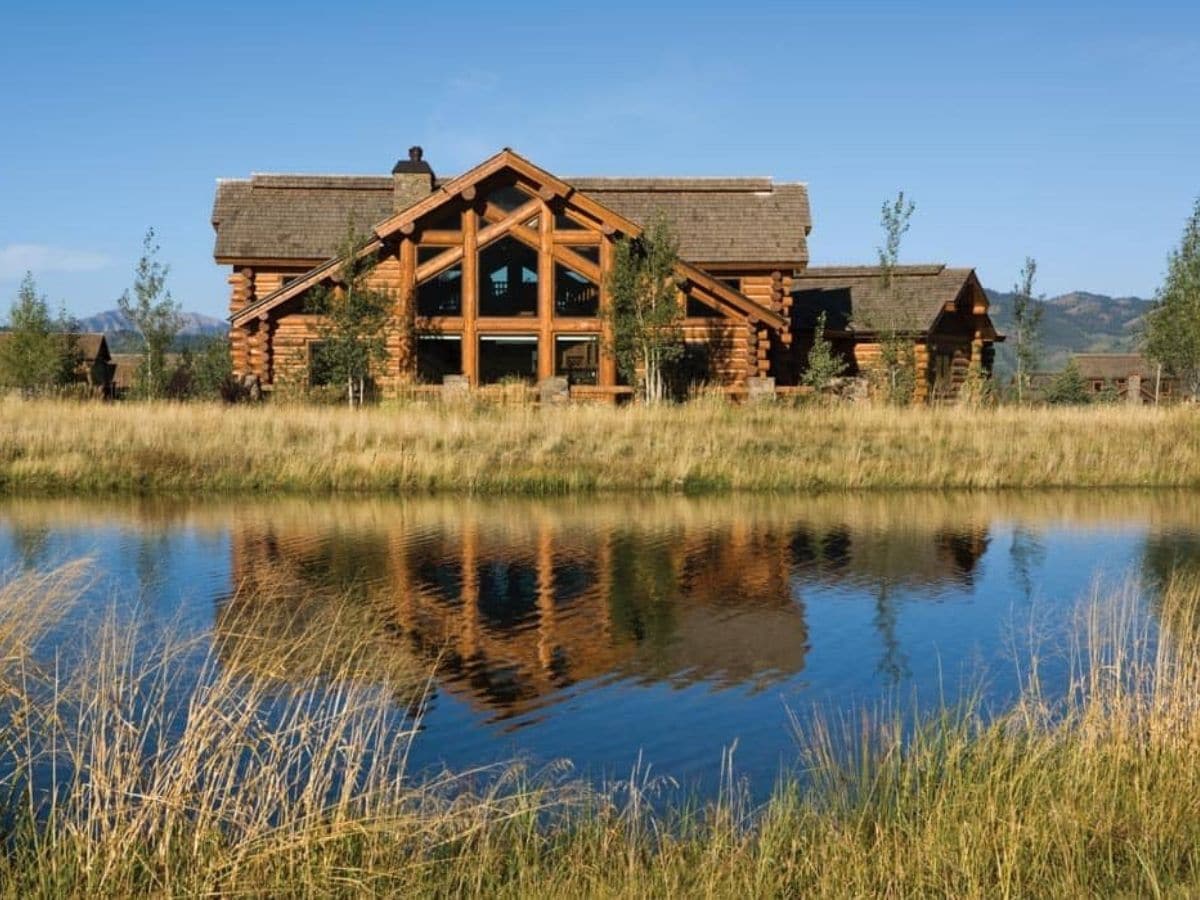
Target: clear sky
[1067, 132]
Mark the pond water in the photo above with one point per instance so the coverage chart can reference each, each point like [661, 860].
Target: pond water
[598, 630]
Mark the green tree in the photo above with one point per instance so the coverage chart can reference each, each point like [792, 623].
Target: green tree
[645, 312]
[1172, 328]
[823, 364]
[154, 315]
[356, 319]
[1068, 387]
[897, 369]
[1027, 318]
[40, 350]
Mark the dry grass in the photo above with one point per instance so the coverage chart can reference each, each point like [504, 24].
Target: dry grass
[703, 446]
[242, 787]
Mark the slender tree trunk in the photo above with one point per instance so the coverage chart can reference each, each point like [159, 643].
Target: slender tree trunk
[350, 391]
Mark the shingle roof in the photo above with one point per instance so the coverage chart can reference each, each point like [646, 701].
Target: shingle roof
[1114, 365]
[88, 343]
[718, 220]
[853, 298]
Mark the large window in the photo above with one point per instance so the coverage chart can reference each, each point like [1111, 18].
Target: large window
[577, 357]
[574, 295]
[441, 295]
[508, 279]
[508, 357]
[437, 357]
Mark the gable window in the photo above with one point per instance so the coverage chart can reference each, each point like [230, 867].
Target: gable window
[508, 197]
[508, 279]
[441, 295]
[574, 295]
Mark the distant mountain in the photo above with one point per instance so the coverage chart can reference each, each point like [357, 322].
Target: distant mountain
[112, 322]
[1077, 322]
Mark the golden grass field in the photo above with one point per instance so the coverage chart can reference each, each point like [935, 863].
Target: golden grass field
[1096, 795]
[703, 446]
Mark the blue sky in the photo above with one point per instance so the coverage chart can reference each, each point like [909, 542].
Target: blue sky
[1067, 132]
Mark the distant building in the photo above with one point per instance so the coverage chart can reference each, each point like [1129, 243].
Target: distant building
[1135, 378]
[95, 366]
[125, 369]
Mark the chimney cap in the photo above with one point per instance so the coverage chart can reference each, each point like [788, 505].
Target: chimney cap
[414, 165]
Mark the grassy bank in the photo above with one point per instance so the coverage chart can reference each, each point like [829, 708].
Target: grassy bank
[1099, 796]
[704, 446]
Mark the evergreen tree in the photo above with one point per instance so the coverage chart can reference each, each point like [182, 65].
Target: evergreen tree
[823, 364]
[154, 316]
[1027, 317]
[1172, 328]
[646, 312]
[39, 351]
[1068, 387]
[356, 320]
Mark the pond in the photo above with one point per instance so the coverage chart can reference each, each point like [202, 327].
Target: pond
[598, 630]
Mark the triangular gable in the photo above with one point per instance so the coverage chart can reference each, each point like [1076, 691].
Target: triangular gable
[978, 298]
[549, 187]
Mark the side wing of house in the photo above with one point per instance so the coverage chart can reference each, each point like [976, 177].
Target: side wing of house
[498, 273]
[943, 311]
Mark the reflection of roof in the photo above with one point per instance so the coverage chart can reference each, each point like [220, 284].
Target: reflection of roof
[304, 217]
[854, 298]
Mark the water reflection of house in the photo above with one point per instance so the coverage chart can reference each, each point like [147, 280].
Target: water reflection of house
[518, 603]
[513, 616]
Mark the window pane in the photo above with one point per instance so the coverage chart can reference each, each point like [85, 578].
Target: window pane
[698, 309]
[508, 279]
[508, 358]
[441, 295]
[574, 295]
[438, 357]
[578, 358]
[508, 197]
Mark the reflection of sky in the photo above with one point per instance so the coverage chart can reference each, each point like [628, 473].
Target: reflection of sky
[865, 643]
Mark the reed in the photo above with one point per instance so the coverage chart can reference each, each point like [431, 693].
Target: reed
[705, 446]
[131, 775]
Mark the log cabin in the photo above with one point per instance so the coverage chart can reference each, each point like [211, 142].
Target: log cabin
[500, 274]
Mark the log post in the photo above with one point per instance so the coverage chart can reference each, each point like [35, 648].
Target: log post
[406, 312]
[470, 297]
[545, 292]
[607, 374]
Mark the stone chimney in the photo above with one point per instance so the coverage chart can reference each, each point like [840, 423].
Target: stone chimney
[412, 179]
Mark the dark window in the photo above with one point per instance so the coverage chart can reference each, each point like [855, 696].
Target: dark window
[578, 358]
[508, 279]
[698, 309]
[735, 283]
[590, 253]
[441, 295]
[438, 357]
[563, 222]
[505, 358]
[508, 197]
[574, 295]
[448, 218]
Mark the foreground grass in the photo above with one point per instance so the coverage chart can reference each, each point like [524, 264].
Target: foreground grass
[272, 791]
[704, 446]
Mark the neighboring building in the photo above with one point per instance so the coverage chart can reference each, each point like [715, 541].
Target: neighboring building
[500, 273]
[1135, 378]
[94, 367]
[125, 370]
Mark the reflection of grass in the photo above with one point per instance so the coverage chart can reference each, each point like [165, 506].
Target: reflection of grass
[528, 449]
[1096, 796]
